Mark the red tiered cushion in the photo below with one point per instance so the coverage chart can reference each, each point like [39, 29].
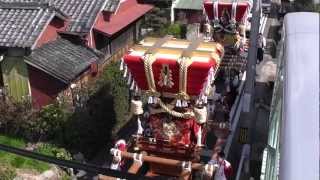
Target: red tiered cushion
[242, 8]
[197, 73]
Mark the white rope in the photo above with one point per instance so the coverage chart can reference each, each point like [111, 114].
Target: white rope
[234, 13]
[199, 137]
[129, 79]
[115, 165]
[125, 71]
[137, 158]
[136, 90]
[132, 85]
[150, 100]
[184, 103]
[186, 166]
[178, 103]
[136, 107]
[121, 64]
[140, 128]
[200, 114]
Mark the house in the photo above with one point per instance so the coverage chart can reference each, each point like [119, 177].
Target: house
[24, 27]
[120, 26]
[48, 45]
[187, 11]
[55, 66]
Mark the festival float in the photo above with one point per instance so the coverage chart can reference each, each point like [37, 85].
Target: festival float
[171, 82]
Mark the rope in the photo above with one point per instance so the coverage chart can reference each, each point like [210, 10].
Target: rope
[200, 114]
[186, 115]
[148, 61]
[184, 62]
[136, 107]
[137, 158]
[115, 165]
[186, 166]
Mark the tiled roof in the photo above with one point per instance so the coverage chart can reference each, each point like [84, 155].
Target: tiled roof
[82, 13]
[189, 4]
[111, 5]
[62, 59]
[21, 26]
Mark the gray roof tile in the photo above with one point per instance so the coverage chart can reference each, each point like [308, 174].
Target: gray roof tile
[111, 5]
[21, 26]
[62, 59]
[82, 13]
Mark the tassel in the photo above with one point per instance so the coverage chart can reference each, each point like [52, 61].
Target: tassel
[178, 103]
[121, 64]
[129, 79]
[150, 100]
[140, 129]
[184, 103]
[155, 100]
[204, 99]
[125, 71]
[136, 90]
[132, 85]
[199, 137]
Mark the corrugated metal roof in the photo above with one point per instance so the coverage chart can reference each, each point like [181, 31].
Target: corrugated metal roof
[189, 4]
[62, 59]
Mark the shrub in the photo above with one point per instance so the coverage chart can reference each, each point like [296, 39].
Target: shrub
[51, 150]
[175, 30]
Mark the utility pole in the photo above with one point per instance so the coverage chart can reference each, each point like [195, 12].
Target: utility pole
[249, 89]
[248, 114]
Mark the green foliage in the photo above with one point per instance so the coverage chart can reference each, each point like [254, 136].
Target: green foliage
[86, 130]
[7, 172]
[89, 129]
[12, 160]
[49, 123]
[51, 150]
[175, 30]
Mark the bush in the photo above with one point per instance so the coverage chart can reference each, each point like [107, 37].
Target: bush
[49, 123]
[51, 150]
[175, 30]
[86, 130]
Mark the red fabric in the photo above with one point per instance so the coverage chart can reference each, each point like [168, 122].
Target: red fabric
[174, 67]
[128, 12]
[197, 74]
[136, 68]
[184, 133]
[227, 169]
[241, 9]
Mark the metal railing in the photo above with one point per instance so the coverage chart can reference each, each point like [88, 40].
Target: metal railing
[235, 115]
[243, 164]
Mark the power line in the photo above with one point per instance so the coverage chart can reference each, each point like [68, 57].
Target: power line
[71, 164]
